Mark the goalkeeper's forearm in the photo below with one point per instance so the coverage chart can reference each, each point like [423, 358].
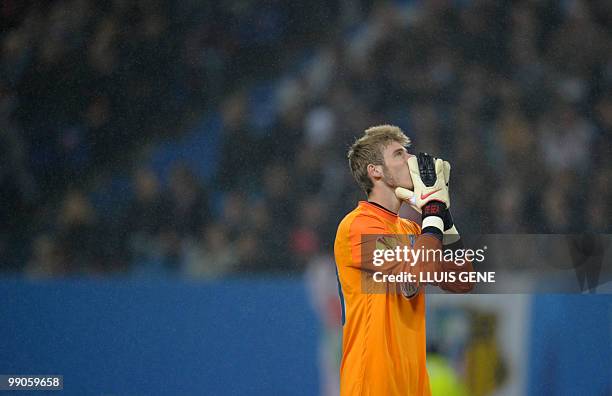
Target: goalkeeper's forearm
[438, 222]
[452, 240]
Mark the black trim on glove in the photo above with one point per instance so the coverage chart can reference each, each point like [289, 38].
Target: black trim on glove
[427, 169]
[448, 220]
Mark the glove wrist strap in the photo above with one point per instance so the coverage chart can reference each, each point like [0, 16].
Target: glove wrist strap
[433, 221]
[433, 218]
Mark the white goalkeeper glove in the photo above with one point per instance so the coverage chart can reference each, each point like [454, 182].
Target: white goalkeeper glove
[430, 197]
[422, 193]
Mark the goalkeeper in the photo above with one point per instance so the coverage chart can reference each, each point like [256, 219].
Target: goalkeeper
[383, 346]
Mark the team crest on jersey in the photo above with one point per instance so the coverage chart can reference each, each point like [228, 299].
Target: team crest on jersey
[409, 289]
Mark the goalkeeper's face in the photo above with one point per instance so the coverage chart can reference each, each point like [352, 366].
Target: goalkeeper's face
[395, 171]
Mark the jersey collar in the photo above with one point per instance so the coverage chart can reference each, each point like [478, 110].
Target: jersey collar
[380, 210]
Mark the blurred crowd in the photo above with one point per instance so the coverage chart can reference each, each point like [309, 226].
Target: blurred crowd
[84, 85]
[516, 95]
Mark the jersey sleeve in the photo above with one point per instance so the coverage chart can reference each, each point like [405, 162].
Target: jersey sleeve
[447, 266]
[369, 233]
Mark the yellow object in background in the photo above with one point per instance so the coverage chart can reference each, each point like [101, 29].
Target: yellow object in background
[443, 380]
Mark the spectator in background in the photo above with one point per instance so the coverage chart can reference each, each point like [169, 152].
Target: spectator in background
[147, 213]
[241, 156]
[280, 204]
[305, 237]
[234, 213]
[252, 258]
[17, 193]
[47, 259]
[282, 141]
[565, 139]
[98, 122]
[78, 232]
[603, 144]
[525, 84]
[189, 208]
[307, 174]
[210, 255]
[508, 204]
[272, 238]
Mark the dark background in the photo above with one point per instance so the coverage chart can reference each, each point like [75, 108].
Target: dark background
[174, 151]
[139, 135]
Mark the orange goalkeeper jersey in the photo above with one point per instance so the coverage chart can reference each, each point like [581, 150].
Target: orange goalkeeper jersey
[383, 346]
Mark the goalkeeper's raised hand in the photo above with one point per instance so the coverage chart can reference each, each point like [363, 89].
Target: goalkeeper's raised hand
[430, 196]
[430, 177]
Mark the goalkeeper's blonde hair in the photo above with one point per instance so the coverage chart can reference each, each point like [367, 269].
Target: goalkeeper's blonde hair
[368, 149]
